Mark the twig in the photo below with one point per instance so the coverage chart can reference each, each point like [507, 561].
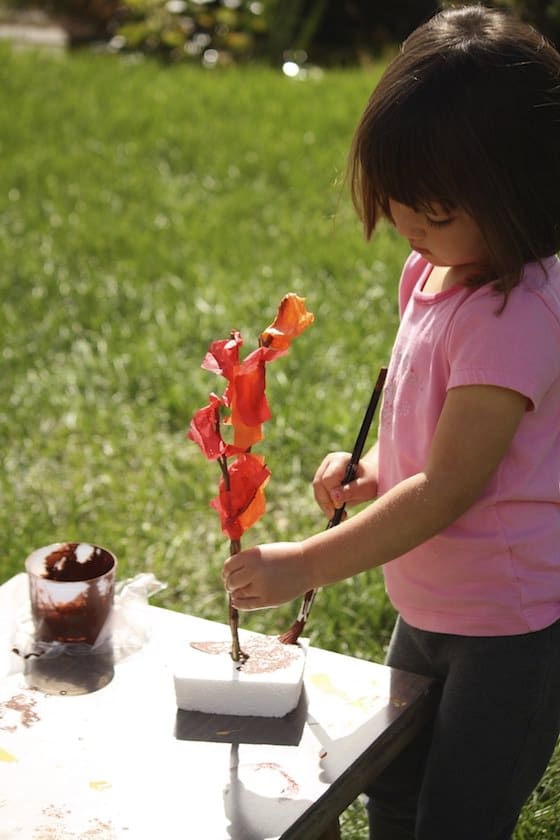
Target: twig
[236, 653]
[234, 548]
[292, 635]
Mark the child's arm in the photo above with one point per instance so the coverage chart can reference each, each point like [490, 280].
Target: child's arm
[475, 430]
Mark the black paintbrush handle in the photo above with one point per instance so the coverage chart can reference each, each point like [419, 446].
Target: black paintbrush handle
[293, 634]
[352, 465]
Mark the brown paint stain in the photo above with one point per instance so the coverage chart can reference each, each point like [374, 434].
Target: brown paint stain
[291, 787]
[24, 706]
[55, 828]
[264, 655]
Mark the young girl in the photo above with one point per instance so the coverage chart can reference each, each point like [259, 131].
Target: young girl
[458, 148]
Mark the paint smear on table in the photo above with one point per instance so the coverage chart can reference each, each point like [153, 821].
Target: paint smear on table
[100, 784]
[61, 823]
[324, 683]
[18, 711]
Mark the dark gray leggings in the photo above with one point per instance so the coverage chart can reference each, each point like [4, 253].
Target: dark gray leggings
[496, 727]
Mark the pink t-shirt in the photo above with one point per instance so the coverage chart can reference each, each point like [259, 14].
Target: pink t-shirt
[496, 569]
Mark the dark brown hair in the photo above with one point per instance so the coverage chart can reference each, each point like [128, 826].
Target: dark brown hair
[468, 116]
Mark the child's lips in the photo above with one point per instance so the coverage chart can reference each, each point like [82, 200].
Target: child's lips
[419, 249]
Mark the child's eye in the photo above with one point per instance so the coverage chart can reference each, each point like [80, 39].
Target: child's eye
[439, 222]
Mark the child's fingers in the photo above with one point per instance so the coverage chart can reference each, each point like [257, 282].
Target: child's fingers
[266, 575]
[236, 570]
[245, 601]
[327, 480]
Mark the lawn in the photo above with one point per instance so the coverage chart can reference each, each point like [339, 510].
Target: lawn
[146, 211]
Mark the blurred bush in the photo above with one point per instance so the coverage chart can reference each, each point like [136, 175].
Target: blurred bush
[225, 31]
[210, 31]
[85, 19]
[543, 14]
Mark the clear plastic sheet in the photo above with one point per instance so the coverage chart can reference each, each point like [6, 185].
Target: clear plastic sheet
[125, 631]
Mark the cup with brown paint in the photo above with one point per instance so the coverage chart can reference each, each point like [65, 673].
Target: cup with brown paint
[71, 589]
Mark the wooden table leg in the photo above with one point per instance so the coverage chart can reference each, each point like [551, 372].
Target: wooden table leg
[332, 832]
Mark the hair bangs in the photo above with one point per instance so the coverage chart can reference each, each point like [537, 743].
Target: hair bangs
[401, 155]
[414, 167]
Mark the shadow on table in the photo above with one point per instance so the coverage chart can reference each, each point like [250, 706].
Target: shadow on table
[261, 800]
[78, 672]
[241, 729]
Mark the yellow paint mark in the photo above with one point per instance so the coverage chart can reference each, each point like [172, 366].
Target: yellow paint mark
[100, 784]
[6, 756]
[363, 703]
[324, 683]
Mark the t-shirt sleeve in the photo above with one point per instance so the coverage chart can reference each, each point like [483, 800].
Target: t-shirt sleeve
[518, 348]
[413, 269]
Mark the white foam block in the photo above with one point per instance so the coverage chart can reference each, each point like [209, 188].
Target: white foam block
[267, 684]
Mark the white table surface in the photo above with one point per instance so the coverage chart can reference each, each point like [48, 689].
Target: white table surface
[122, 762]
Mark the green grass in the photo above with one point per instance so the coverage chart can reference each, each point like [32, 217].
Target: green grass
[144, 213]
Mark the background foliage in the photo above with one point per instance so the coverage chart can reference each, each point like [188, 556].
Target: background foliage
[324, 32]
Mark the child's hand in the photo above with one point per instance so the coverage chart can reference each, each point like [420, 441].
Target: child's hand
[266, 575]
[328, 490]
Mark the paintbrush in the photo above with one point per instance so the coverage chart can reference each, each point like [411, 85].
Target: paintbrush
[293, 634]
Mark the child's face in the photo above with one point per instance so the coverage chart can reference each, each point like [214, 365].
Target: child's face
[444, 238]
